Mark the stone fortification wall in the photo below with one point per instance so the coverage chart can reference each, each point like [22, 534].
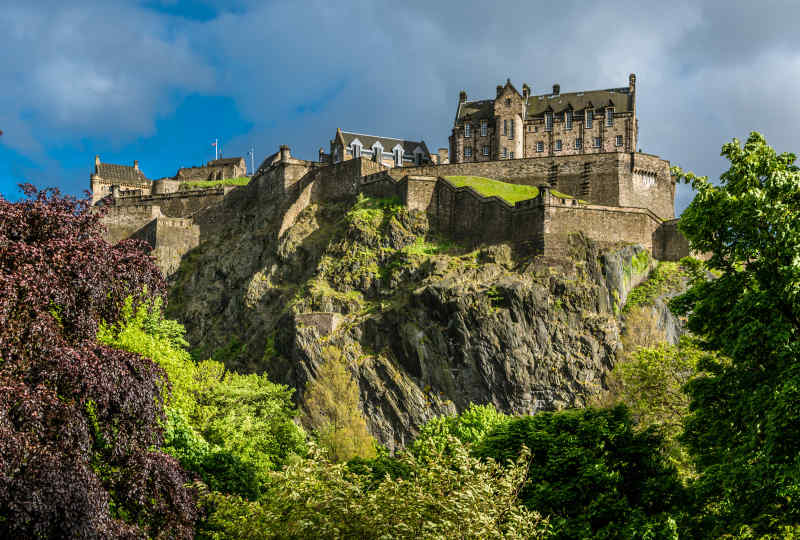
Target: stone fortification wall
[180, 204]
[670, 243]
[610, 179]
[124, 222]
[170, 239]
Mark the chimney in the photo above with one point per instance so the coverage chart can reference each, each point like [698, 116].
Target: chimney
[526, 90]
[136, 164]
[556, 89]
[632, 82]
[285, 153]
[499, 90]
[462, 96]
[97, 164]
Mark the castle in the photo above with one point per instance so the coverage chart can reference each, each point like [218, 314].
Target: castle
[615, 194]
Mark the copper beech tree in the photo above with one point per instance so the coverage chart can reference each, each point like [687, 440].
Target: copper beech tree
[80, 423]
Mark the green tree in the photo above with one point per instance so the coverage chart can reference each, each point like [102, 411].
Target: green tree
[332, 411]
[229, 428]
[592, 474]
[446, 494]
[469, 427]
[744, 429]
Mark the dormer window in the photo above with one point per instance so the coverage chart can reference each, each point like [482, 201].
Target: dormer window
[548, 121]
[397, 152]
[377, 152]
[508, 102]
[568, 119]
[356, 150]
[484, 128]
[609, 116]
[589, 118]
[467, 130]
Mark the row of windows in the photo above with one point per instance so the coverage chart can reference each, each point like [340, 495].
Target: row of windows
[578, 144]
[548, 123]
[558, 146]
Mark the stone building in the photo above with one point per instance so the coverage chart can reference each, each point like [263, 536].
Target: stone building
[127, 178]
[514, 125]
[218, 169]
[387, 151]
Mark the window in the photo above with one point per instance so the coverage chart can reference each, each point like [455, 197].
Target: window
[398, 158]
[485, 150]
[540, 146]
[508, 102]
[597, 142]
[505, 152]
[568, 119]
[336, 155]
[511, 133]
[505, 127]
[467, 151]
[578, 144]
[484, 128]
[619, 140]
[356, 150]
[609, 116]
[558, 145]
[530, 128]
[589, 118]
[467, 131]
[511, 155]
[377, 153]
[548, 121]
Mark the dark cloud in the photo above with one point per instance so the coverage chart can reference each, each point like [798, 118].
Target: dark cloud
[297, 70]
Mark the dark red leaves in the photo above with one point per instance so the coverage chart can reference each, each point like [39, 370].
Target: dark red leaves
[78, 421]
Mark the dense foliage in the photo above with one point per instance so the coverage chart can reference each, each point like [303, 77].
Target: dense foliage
[444, 495]
[229, 428]
[80, 423]
[592, 474]
[332, 411]
[744, 427]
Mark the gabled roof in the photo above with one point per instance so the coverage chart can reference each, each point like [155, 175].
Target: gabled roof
[388, 143]
[120, 173]
[619, 98]
[476, 110]
[225, 161]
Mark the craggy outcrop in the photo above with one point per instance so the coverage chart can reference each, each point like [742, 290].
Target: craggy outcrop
[426, 326]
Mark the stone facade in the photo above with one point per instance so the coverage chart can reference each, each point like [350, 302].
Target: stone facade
[514, 125]
[218, 169]
[387, 151]
[124, 177]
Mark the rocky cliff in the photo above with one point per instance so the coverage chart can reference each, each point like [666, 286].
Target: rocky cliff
[426, 325]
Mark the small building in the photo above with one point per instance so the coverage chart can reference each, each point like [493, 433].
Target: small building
[218, 169]
[515, 125]
[388, 151]
[129, 179]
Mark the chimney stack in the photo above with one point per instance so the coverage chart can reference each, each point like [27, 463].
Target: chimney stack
[499, 90]
[462, 96]
[526, 90]
[136, 164]
[285, 153]
[556, 89]
[632, 82]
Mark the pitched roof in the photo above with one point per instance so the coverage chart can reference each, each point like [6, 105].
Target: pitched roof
[619, 98]
[225, 161]
[387, 142]
[476, 110]
[120, 173]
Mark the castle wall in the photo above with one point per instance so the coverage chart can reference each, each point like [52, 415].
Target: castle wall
[124, 222]
[670, 244]
[179, 205]
[648, 183]
[170, 239]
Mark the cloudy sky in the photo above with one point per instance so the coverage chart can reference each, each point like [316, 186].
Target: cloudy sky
[158, 81]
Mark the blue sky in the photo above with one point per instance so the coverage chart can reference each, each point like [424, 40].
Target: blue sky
[158, 81]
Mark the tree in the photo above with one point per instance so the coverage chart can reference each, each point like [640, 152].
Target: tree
[80, 423]
[592, 474]
[332, 411]
[446, 494]
[469, 427]
[744, 428]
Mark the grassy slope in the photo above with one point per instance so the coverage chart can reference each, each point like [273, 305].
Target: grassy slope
[509, 192]
[241, 181]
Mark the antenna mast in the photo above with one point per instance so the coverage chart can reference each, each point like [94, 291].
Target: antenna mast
[252, 157]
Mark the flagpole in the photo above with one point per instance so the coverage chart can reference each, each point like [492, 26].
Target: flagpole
[216, 149]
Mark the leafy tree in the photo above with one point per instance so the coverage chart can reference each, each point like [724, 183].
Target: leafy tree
[229, 428]
[469, 427]
[650, 382]
[446, 495]
[744, 428]
[592, 473]
[80, 423]
[332, 411]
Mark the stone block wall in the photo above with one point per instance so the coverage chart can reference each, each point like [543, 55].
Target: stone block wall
[124, 222]
[169, 239]
[670, 244]
[648, 183]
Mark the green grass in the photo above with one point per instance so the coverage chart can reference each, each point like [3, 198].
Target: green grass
[511, 193]
[199, 184]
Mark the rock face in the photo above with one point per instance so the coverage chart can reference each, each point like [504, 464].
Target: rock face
[426, 326]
